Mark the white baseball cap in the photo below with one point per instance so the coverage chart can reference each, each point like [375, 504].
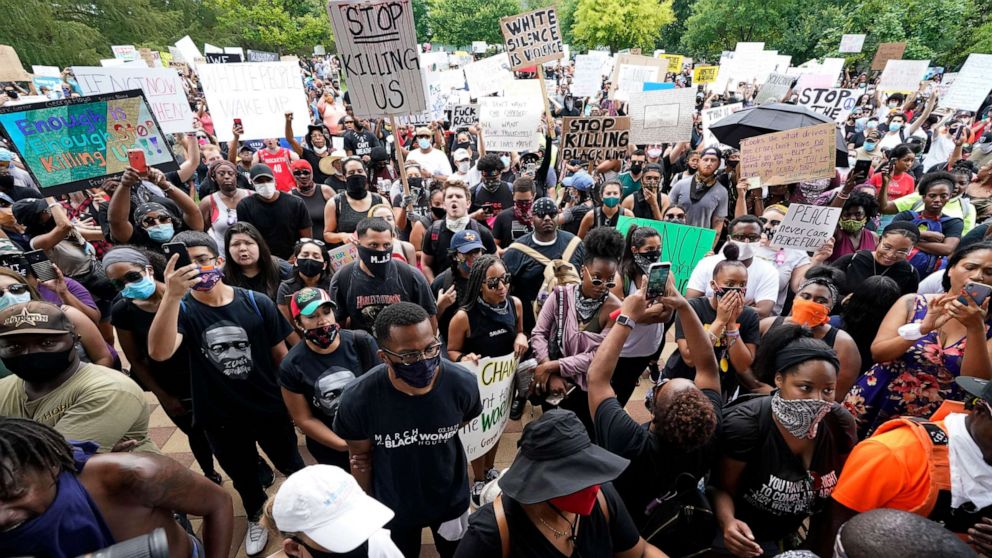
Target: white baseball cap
[326, 504]
[460, 155]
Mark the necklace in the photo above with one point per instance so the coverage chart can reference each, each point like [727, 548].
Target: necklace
[558, 534]
[874, 267]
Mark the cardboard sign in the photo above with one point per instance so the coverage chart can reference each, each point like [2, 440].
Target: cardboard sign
[713, 115]
[496, 376]
[463, 116]
[262, 56]
[682, 245]
[377, 48]
[163, 89]
[125, 52]
[775, 87]
[791, 156]
[594, 138]
[674, 62]
[886, 52]
[10, 65]
[510, 123]
[903, 75]
[661, 116]
[343, 255]
[852, 43]
[532, 37]
[259, 93]
[834, 102]
[969, 88]
[489, 75]
[587, 77]
[72, 144]
[806, 227]
[704, 74]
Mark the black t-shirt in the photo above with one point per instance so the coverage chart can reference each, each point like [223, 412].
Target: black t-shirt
[279, 221]
[289, 287]
[419, 468]
[862, 265]
[501, 199]
[444, 281]
[438, 240]
[654, 463]
[507, 229]
[750, 331]
[313, 158]
[360, 143]
[361, 297]
[528, 273]
[234, 376]
[597, 535]
[775, 492]
[173, 374]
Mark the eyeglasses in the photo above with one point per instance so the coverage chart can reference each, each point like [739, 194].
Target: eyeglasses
[495, 281]
[301, 173]
[129, 277]
[204, 261]
[15, 289]
[888, 248]
[414, 357]
[310, 241]
[152, 221]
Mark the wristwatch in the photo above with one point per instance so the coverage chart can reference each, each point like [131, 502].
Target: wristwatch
[626, 321]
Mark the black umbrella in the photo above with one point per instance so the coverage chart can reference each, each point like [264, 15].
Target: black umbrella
[772, 117]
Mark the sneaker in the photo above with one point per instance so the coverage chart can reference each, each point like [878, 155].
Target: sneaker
[256, 538]
[491, 475]
[477, 493]
[215, 478]
[265, 475]
[517, 408]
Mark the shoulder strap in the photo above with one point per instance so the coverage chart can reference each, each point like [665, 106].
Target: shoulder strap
[251, 298]
[541, 258]
[573, 245]
[338, 200]
[502, 525]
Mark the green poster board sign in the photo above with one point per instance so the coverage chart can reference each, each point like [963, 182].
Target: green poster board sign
[682, 245]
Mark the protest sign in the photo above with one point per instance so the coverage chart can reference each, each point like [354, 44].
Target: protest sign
[704, 74]
[833, 102]
[946, 81]
[852, 43]
[812, 81]
[495, 376]
[631, 79]
[674, 62]
[125, 52]
[163, 90]
[791, 156]
[211, 49]
[806, 227]
[47, 71]
[319, 50]
[10, 65]
[72, 144]
[594, 138]
[479, 47]
[222, 58]
[434, 61]
[259, 93]
[903, 75]
[510, 123]
[452, 79]
[657, 85]
[587, 76]
[682, 245]
[971, 85]
[886, 52]
[262, 56]
[489, 75]
[238, 51]
[342, 256]
[748, 67]
[52, 84]
[529, 89]
[661, 116]
[710, 116]
[463, 116]
[377, 48]
[749, 47]
[775, 87]
[189, 50]
[532, 37]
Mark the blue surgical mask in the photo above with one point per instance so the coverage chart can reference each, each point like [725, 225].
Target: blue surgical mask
[161, 233]
[869, 146]
[895, 126]
[419, 374]
[10, 299]
[871, 125]
[505, 160]
[424, 143]
[139, 290]
[859, 125]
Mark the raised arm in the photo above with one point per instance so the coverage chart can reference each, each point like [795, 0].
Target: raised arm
[118, 212]
[293, 144]
[191, 213]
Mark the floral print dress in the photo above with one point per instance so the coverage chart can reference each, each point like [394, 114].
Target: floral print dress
[915, 384]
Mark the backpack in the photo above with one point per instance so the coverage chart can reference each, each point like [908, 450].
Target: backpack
[504, 527]
[680, 522]
[557, 273]
[925, 263]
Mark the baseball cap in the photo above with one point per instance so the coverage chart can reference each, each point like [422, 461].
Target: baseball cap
[34, 317]
[580, 181]
[976, 386]
[307, 301]
[326, 504]
[465, 241]
[258, 170]
[422, 131]
[246, 147]
[460, 155]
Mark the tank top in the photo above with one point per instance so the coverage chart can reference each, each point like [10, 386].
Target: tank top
[601, 220]
[348, 218]
[491, 334]
[315, 203]
[279, 163]
[221, 219]
[642, 209]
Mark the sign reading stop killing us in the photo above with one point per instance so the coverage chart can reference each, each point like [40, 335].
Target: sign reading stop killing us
[532, 37]
[377, 48]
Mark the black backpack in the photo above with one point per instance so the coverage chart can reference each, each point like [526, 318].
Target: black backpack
[680, 521]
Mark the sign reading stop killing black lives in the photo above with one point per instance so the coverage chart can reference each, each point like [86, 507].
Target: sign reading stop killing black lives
[377, 48]
[532, 38]
[594, 138]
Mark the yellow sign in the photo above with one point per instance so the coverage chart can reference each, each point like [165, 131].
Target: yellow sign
[704, 74]
[674, 62]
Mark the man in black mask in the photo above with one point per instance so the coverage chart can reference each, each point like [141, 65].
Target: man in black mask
[492, 195]
[362, 289]
[83, 401]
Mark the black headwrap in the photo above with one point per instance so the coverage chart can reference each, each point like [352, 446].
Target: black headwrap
[796, 354]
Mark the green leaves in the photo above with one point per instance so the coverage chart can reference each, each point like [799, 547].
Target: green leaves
[459, 22]
[620, 24]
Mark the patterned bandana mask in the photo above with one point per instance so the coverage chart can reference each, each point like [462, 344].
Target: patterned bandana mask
[801, 417]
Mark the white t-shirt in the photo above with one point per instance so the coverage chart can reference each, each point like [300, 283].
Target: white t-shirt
[941, 147]
[434, 161]
[644, 339]
[792, 259]
[762, 279]
[933, 284]
[382, 546]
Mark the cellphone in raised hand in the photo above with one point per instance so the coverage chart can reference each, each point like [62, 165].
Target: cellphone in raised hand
[136, 158]
[861, 167]
[171, 248]
[41, 266]
[977, 291]
[658, 279]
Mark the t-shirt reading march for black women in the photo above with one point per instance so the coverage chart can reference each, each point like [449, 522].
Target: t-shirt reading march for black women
[233, 375]
[415, 441]
[597, 535]
[361, 297]
[776, 492]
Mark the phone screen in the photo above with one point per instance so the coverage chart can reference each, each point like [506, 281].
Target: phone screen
[658, 279]
[861, 167]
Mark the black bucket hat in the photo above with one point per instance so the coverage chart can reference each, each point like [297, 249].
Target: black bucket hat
[557, 458]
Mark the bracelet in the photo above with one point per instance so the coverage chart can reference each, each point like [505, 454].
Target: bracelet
[910, 332]
[843, 196]
[731, 333]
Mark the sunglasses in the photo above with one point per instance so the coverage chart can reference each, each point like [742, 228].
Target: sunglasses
[301, 173]
[15, 289]
[597, 282]
[551, 214]
[674, 216]
[310, 241]
[152, 221]
[129, 277]
[495, 281]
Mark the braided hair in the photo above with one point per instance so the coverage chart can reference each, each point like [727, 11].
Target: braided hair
[26, 444]
[476, 277]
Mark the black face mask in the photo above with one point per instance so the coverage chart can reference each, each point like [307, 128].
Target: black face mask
[357, 186]
[439, 212]
[38, 368]
[309, 268]
[416, 183]
[635, 168]
[6, 181]
[376, 260]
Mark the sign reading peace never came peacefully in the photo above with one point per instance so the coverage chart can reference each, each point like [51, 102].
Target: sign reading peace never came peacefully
[377, 48]
[806, 227]
[532, 37]
[594, 138]
[790, 156]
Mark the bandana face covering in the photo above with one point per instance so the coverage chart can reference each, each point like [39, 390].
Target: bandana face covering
[580, 502]
[645, 259]
[457, 225]
[209, 276]
[521, 211]
[801, 417]
[322, 336]
[809, 313]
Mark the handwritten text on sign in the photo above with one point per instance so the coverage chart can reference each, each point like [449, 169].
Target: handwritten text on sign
[532, 37]
[663, 116]
[833, 102]
[806, 227]
[162, 87]
[704, 74]
[464, 116]
[682, 245]
[377, 48]
[495, 376]
[509, 123]
[790, 156]
[595, 138]
[968, 89]
[886, 52]
[489, 75]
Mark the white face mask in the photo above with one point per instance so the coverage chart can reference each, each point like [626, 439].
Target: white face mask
[320, 150]
[746, 250]
[266, 189]
[464, 166]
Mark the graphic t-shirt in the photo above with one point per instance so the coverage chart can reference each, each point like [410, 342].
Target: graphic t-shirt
[361, 297]
[234, 376]
[499, 200]
[507, 229]
[360, 143]
[419, 467]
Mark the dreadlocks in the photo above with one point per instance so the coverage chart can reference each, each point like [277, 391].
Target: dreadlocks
[26, 444]
[476, 277]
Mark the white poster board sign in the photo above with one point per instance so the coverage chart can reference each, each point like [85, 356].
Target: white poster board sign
[125, 52]
[663, 116]
[495, 375]
[189, 50]
[969, 87]
[510, 123]
[50, 71]
[489, 75]
[903, 75]
[479, 47]
[710, 116]
[463, 116]
[631, 78]
[749, 47]
[163, 89]
[834, 102]
[588, 75]
[852, 43]
[807, 227]
[259, 93]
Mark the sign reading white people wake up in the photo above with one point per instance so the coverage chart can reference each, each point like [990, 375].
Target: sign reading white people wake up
[532, 37]
[377, 48]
